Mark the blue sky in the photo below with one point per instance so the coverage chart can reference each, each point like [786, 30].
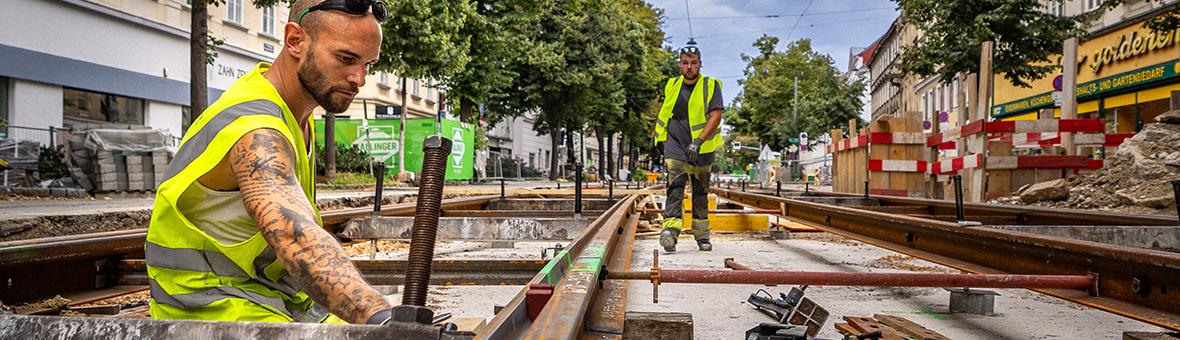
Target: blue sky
[724, 29]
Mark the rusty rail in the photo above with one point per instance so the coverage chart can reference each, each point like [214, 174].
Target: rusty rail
[1131, 282]
[1075, 282]
[575, 275]
[1021, 214]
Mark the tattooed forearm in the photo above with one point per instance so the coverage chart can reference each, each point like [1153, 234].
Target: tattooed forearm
[264, 164]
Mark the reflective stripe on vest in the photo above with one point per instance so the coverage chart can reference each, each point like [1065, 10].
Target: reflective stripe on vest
[196, 145]
[697, 115]
[196, 260]
[189, 270]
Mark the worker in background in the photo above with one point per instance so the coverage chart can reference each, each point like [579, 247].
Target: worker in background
[235, 233]
[687, 124]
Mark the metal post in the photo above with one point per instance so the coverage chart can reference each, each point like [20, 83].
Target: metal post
[866, 189]
[778, 188]
[435, 149]
[502, 188]
[743, 185]
[377, 195]
[958, 197]
[610, 191]
[1176, 194]
[806, 187]
[578, 189]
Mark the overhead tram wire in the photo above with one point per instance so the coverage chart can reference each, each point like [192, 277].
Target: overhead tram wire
[798, 20]
[891, 17]
[783, 16]
[688, 15]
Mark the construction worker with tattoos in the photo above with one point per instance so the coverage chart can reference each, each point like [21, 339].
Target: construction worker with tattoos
[235, 234]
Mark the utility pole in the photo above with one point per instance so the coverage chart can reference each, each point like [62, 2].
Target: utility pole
[795, 105]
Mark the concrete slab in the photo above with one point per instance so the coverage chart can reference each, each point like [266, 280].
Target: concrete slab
[1165, 238]
[720, 312]
[469, 228]
[599, 204]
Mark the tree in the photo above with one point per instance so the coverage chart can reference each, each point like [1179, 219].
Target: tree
[498, 35]
[1026, 37]
[766, 109]
[579, 55]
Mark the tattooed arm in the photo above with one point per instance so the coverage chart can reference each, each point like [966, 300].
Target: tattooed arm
[264, 164]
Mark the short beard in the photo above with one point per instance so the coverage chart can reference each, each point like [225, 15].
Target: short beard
[316, 84]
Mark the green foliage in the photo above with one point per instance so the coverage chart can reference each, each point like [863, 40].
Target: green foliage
[586, 64]
[763, 109]
[499, 33]
[423, 38]
[51, 164]
[1026, 37]
[349, 158]
[638, 174]
[357, 178]
[1166, 22]
[211, 45]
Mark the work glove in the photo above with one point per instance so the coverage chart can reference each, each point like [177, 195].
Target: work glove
[693, 150]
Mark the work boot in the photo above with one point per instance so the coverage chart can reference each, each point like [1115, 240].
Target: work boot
[704, 245]
[668, 239]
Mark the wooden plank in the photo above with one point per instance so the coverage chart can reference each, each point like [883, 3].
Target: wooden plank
[865, 325]
[469, 324]
[657, 325]
[1021, 177]
[999, 182]
[837, 135]
[908, 327]
[846, 329]
[916, 181]
[880, 179]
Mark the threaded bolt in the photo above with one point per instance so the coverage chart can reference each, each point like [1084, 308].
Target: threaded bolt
[435, 149]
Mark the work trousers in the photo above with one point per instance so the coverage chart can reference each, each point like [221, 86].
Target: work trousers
[679, 174]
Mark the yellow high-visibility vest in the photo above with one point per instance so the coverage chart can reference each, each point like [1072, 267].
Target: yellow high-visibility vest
[192, 275]
[698, 101]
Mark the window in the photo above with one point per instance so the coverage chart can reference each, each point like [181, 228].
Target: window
[383, 78]
[101, 107]
[415, 87]
[1090, 5]
[532, 160]
[233, 11]
[430, 90]
[268, 20]
[955, 94]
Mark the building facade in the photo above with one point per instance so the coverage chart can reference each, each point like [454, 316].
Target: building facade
[1126, 73]
[125, 64]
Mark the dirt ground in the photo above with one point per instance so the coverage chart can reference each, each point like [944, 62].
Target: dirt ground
[721, 312]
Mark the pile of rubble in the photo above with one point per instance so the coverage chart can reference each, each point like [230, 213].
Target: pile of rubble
[1137, 178]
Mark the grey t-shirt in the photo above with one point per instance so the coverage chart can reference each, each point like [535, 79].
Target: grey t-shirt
[679, 133]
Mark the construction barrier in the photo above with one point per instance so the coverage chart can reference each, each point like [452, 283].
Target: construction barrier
[892, 156]
[889, 154]
[1006, 172]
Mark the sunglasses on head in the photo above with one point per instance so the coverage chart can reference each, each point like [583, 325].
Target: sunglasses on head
[690, 50]
[359, 7]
